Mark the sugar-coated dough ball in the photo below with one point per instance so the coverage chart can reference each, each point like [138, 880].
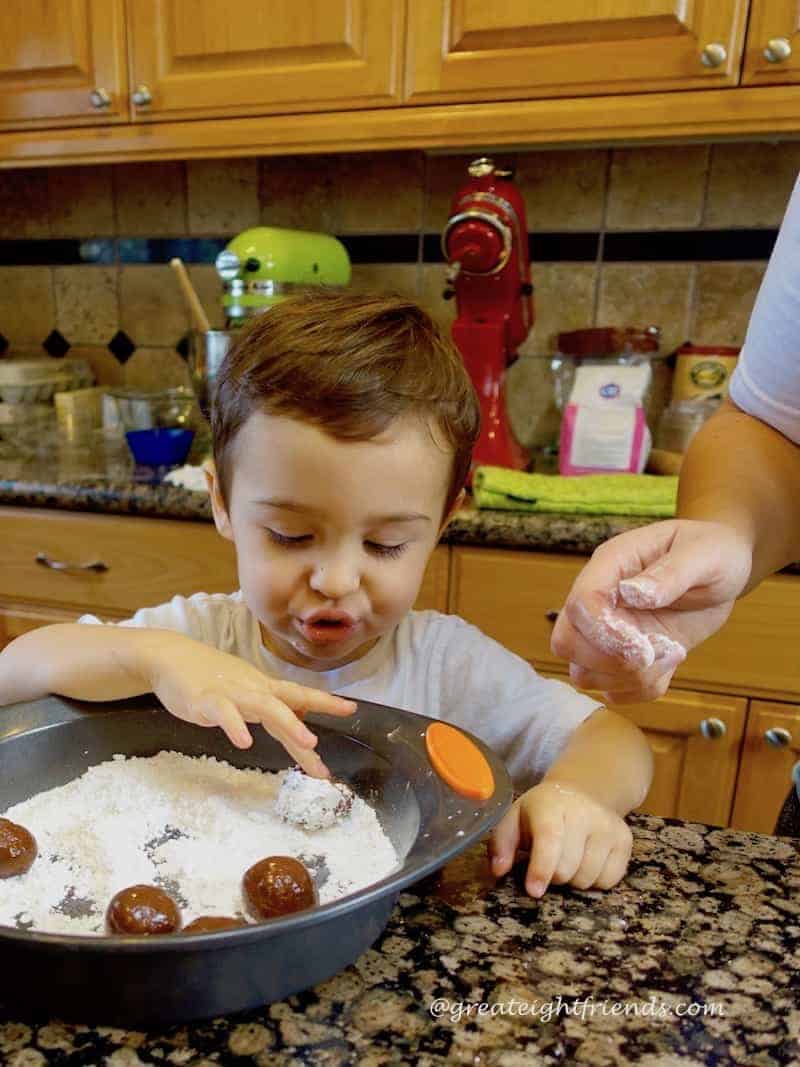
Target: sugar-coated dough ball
[312, 803]
[278, 885]
[17, 849]
[143, 910]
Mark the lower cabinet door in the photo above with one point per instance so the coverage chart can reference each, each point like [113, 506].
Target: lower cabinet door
[771, 750]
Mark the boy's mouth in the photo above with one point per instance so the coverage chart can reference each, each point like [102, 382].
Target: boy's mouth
[327, 627]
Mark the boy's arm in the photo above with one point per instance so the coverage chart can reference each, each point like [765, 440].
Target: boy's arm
[76, 660]
[609, 759]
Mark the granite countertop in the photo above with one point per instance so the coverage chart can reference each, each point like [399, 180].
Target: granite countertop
[706, 921]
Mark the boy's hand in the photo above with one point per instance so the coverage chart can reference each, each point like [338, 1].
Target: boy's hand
[571, 838]
[202, 685]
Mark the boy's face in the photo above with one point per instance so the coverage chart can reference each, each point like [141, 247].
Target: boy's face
[332, 537]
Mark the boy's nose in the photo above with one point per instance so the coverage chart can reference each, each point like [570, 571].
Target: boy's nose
[334, 579]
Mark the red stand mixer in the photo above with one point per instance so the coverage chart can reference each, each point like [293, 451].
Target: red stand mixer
[485, 242]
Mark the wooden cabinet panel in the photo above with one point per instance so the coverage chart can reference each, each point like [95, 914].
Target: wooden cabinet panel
[773, 31]
[513, 49]
[765, 774]
[52, 55]
[16, 621]
[202, 58]
[148, 561]
[513, 595]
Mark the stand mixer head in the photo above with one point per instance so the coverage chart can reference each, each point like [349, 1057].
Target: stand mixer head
[485, 243]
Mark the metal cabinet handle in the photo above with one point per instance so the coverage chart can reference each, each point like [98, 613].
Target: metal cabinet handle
[714, 55]
[99, 99]
[60, 565]
[141, 96]
[778, 737]
[778, 49]
[551, 616]
[712, 729]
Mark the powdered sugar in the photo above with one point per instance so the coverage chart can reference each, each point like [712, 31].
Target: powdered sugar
[190, 824]
[312, 803]
[641, 592]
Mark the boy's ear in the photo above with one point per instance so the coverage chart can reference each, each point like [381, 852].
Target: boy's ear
[220, 512]
[457, 503]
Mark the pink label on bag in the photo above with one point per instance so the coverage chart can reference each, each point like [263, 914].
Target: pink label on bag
[596, 440]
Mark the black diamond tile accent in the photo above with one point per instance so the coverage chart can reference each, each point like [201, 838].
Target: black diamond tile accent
[182, 347]
[3, 344]
[56, 344]
[121, 346]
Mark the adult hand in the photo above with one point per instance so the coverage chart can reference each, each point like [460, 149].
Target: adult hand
[644, 599]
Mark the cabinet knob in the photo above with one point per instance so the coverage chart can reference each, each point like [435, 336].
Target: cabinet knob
[778, 49]
[99, 98]
[712, 729]
[142, 96]
[714, 55]
[778, 737]
[62, 565]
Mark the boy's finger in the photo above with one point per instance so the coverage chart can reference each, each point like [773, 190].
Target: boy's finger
[595, 855]
[504, 841]
[548, 841]
[613, 869]
[220, 711]
[305, 698]
[307, 759]
[573, 844]
[277, 719]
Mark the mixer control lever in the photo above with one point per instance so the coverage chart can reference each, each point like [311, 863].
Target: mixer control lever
[526, 289]
[448, 294]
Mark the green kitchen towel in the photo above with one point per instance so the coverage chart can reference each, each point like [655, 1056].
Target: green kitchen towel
[588, 494]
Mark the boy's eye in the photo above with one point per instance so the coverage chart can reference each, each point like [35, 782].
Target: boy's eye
[282, 539]
[388, 551]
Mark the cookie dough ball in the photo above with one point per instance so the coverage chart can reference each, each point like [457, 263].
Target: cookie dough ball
[312, 803]
[143, 910]
[17, 849]
[208, 924]
[278, 885]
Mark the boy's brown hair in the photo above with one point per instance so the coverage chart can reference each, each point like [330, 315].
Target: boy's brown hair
[350, 364]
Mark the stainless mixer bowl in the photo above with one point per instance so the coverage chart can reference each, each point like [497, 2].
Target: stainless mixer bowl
[127, 981]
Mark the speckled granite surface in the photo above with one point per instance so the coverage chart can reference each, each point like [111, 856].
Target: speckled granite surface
[705, 917]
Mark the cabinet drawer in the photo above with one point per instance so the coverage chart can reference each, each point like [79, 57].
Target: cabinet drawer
[148, 560]
[512, 596]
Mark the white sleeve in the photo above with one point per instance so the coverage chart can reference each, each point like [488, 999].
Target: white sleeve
[183, 614]
[766, 382]
[526, 719]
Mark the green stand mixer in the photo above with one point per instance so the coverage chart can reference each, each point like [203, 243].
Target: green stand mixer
[259, 268]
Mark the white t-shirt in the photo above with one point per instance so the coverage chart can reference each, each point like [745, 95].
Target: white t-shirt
[434, 664]
[766, 382]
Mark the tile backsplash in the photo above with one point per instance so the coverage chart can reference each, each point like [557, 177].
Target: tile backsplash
[678, 236]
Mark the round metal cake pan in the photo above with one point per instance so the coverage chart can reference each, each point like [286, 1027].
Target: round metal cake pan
[127, 981]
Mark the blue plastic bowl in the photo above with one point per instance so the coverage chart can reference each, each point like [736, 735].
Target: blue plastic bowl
[160, 447]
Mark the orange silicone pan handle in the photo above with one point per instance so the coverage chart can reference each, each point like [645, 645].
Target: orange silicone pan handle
[459, 761]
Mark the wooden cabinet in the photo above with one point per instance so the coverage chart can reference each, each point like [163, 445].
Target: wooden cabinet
[54, 56]
[772, 53]
[771, 750]
[202, 58]
[462, 50]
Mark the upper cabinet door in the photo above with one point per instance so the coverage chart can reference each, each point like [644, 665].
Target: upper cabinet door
[62, 62]
[203, 58]
[772, 53]
[522, 49]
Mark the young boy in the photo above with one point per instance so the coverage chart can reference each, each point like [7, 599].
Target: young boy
[343, 427]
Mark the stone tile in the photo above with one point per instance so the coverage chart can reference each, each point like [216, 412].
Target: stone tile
[24, 204]
[365, 192]
[156, 368]
[209, 289]
[724, 298]
[223, 195]
[645, 294]
[657, 188]
[150, 199]
[27, 306]
[87, 307]
[401, 278]
[530, 404]
[152, 311]
[564, 295]
[750, 184]
[430, 296]
[81, 201]
[107, 370]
